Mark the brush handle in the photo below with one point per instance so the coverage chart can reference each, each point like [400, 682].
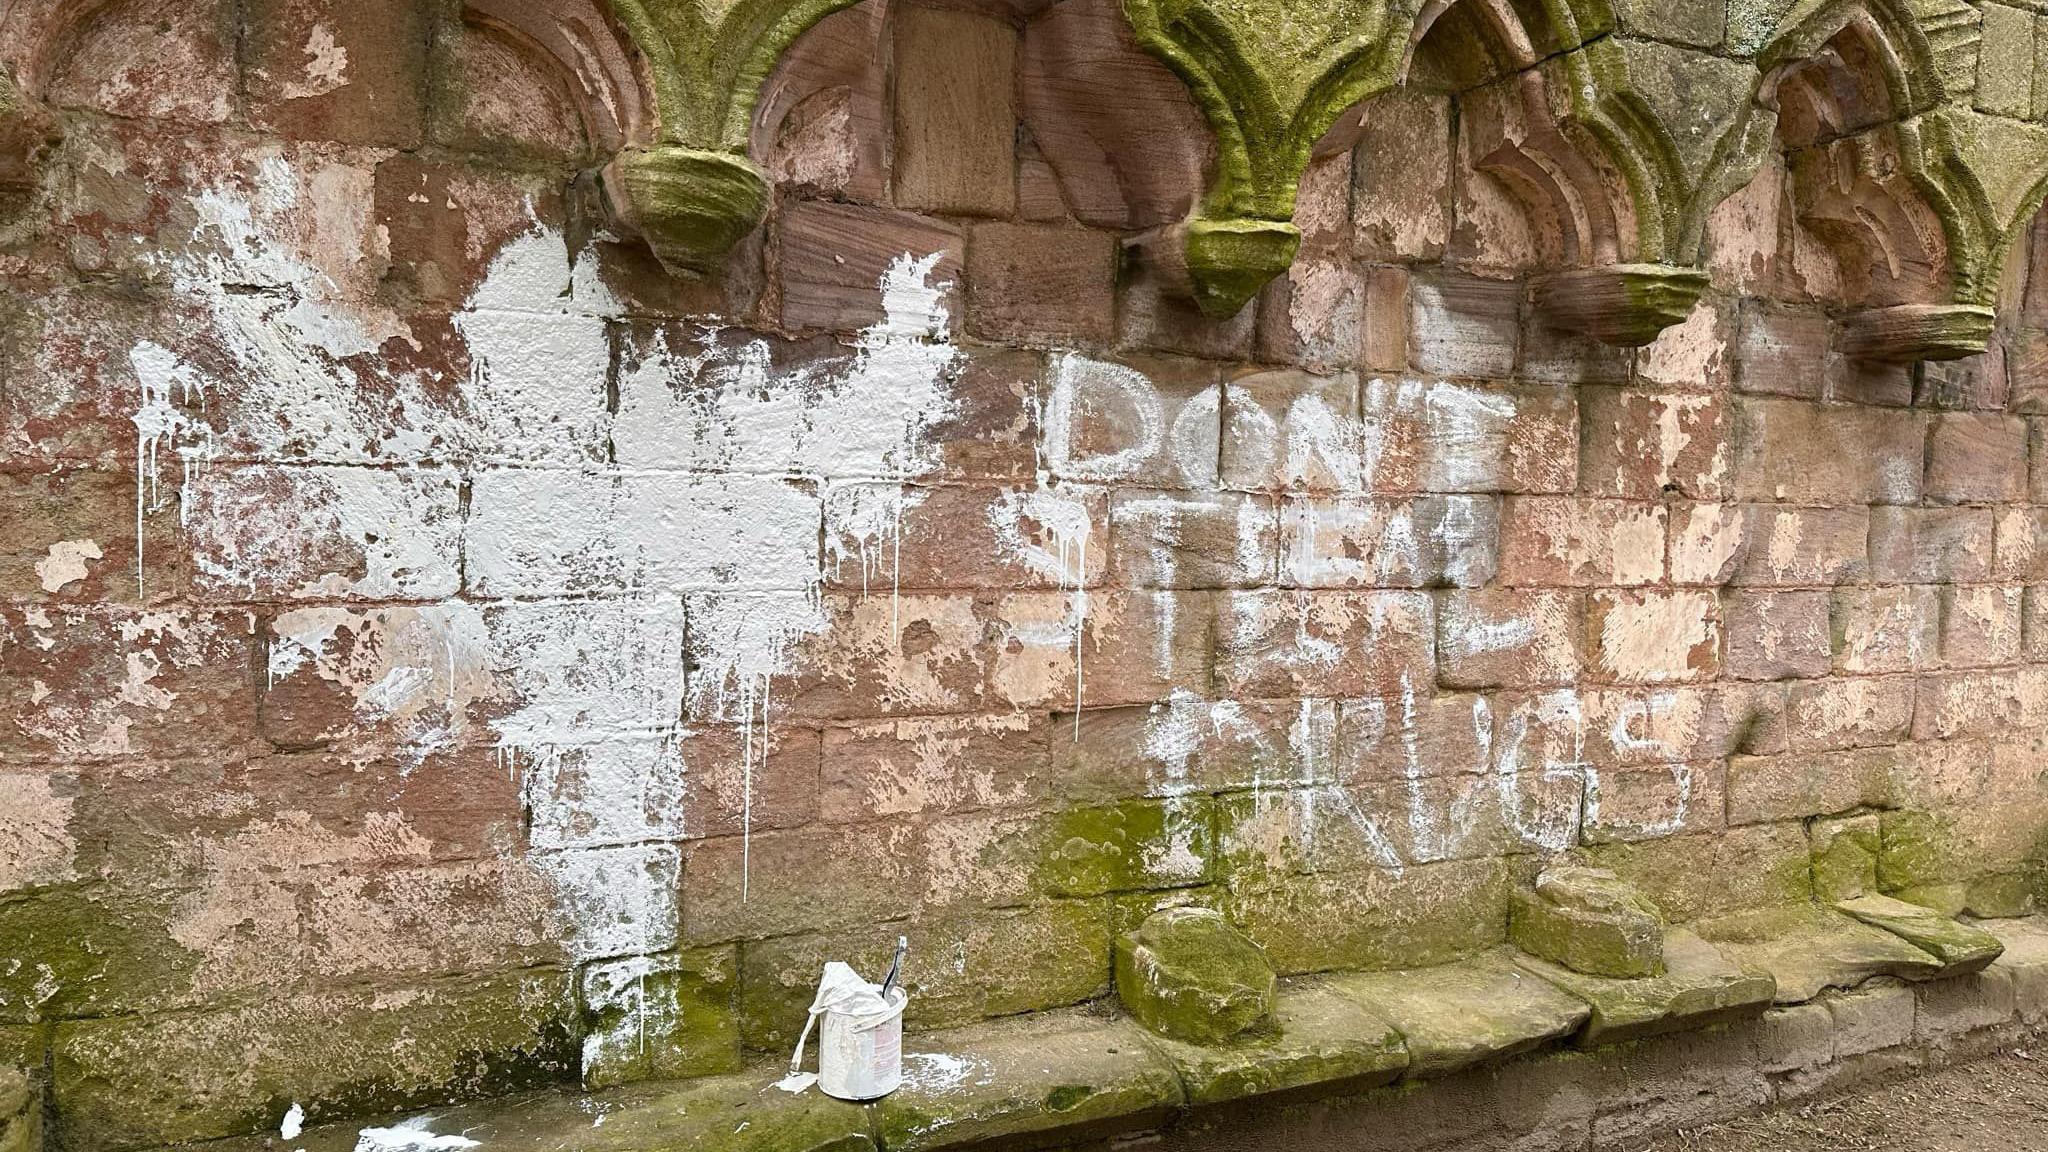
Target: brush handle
[895, 966]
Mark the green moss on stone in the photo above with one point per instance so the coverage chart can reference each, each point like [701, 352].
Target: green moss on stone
[690, 206]
[1230, 261]
[1137, 844]
[660, 1017]
[1844, 857]
[1187, 974]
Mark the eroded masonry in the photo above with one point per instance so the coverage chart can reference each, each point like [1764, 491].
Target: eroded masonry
[1406, 574]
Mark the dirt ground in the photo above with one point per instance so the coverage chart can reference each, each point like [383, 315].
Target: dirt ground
[1998, 1104]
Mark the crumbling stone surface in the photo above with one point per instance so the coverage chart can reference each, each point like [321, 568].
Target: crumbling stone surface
[1186, 974]
[1589, 921]
[21, 1112]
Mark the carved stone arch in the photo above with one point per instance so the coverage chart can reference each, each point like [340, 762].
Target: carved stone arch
[591, 54]
[1598, 136]
[1271, 79]
[691, 192]
[1915, 193]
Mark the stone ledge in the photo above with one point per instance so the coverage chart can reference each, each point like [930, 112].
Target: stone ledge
[1060, 1077]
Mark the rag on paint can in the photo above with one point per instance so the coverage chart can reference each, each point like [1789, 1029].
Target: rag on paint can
[860, 1041]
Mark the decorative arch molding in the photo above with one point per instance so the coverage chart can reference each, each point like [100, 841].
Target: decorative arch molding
[1628, 143]
[690, 191]
[1619, 142]
[1271, 77]
[592, 54]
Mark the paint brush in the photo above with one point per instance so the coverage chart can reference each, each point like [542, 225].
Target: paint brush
[895, 966]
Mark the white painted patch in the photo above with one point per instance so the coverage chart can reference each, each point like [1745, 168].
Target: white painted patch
[414, 1135]
[294, 1123]
[65, 563]
[326, 66]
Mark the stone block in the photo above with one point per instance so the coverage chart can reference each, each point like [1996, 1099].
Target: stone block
[1886, 629]
[2020, 544]
[1808, 949]
[1588, 921]
[1054, 1078]
[72, 537]
[1555, 540]
[1931, 545]
[1314, 314]
[1639, 445]
[1428, 542]
[1698, 988]
[1321, 1043]
[1780, 352]
[1653, 637]
[1186, 974]
[1211, 540]
[1850, 713]
[1456, 1016]
[1141, 420]
[1464, 326]
[1375, 918]
[1801, 784]
[1795, 1037]
[148, 1080]
[94, 682]
[1946, 1010]
[835, 257]
[772, 883]
[1507, 638]
[1776, 635]
[1794, 546]
[663, 1017]
[313, 73]
[1980, 625]
[954, 118]
[2025, 960]
[1961, 948]
[1844, 857]
[1789, 450]
[1398, 205]
[1289, 430]
[21, 1111]
[380, 535]
[1276, 644]
[1690, 877]
[1976, 458]
[1872, 1018]
[1041, 284]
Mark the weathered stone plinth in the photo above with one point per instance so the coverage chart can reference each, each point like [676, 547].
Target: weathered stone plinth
[1459, 1015]
[1188, 975]
[1589, 921]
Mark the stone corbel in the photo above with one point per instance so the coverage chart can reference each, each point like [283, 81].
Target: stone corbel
[1681, 131]
[1625, 305]
[1271, 77]
[692, 194]
[1905, 333]
[1984, 176]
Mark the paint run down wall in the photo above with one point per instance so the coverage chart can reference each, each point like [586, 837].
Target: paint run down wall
[442, 652]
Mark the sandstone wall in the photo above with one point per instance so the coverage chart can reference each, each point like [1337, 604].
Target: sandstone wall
[444, 650]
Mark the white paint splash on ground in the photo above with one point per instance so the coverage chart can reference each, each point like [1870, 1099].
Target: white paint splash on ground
[413, 1135]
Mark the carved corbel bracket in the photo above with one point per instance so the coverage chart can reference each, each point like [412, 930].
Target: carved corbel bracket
[1680, 130]
[1905, 333]
[1625, 305]
[1271, 76]
[692, 194]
